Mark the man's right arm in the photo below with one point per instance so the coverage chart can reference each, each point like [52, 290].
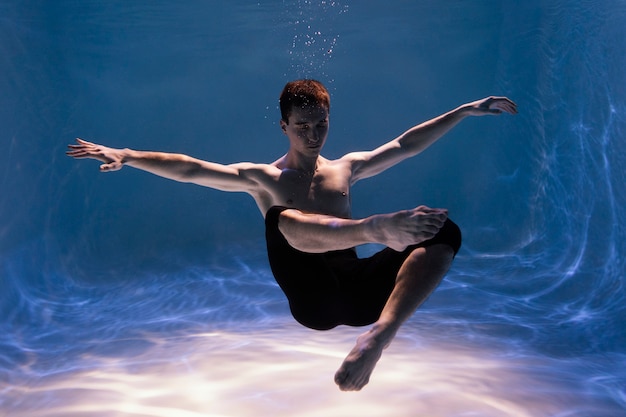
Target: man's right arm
[176, 167]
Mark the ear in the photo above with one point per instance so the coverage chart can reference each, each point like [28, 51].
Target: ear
[283, 125]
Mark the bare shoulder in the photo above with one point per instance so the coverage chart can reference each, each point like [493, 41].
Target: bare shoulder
[263, 182]
[337, 167]
[354, 162]
[256, 172]
[252, 166]
[353, 157]
[366, 164]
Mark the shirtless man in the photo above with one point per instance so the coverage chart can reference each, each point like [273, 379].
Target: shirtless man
[310, 233]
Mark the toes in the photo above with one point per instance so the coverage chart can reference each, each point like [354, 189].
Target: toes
[341, 376]
[345, 383]
[342, 380]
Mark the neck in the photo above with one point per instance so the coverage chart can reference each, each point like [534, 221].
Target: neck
[299, 162]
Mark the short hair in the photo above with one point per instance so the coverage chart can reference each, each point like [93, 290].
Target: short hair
[302, 93]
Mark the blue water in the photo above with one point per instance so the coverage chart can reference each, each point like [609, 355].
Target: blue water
[124, 294]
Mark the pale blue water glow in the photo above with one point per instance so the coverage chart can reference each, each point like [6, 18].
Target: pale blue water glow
[128, 295]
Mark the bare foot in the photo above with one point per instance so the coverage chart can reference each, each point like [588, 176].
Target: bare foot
[356, 369]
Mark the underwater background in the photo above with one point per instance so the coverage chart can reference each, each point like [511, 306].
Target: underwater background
[125, 294]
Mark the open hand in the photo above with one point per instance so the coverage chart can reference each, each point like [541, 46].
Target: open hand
[491, 106]
[113, 158]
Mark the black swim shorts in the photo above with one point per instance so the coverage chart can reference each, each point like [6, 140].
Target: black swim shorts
[332, 288]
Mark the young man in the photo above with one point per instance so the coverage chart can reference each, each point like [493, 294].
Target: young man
[310, 234]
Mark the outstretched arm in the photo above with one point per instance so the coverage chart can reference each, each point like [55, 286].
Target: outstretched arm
[420, 137]
[177, 167]
[315, 233]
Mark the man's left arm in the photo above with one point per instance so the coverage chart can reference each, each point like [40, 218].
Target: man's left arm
[316, 233]
[420, 137]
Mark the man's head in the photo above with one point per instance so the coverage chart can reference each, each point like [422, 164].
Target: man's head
[304, 106]
[301, 94]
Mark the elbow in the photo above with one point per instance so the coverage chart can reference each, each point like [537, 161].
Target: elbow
[297, 234]
[287, 227]
[188, 171]
[305, 245]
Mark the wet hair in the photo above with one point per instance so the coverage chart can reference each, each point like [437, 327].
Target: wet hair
[302, 93]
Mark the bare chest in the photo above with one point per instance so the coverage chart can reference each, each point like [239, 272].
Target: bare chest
[326, 191]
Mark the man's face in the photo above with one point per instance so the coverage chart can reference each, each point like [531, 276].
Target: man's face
[307, 129]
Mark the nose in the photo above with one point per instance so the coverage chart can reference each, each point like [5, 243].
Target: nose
[314, 136]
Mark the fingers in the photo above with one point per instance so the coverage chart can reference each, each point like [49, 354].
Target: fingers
[84, 149]
[502, 104]
[77, 153]
[113, 166]
[84, 142]
[80, 150]
[81, 144]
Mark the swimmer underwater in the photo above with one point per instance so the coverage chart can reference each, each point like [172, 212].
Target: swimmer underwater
[310, 233]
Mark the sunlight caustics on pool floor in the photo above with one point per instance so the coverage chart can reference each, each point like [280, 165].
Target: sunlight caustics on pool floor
[288, 371]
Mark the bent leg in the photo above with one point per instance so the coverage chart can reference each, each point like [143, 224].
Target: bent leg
[306, 279]
[418, 277]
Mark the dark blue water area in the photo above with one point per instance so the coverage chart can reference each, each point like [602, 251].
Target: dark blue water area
[108, 266]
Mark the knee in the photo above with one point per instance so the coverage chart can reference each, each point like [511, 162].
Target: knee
[442, 254]
[435, 254]
[449, 235]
